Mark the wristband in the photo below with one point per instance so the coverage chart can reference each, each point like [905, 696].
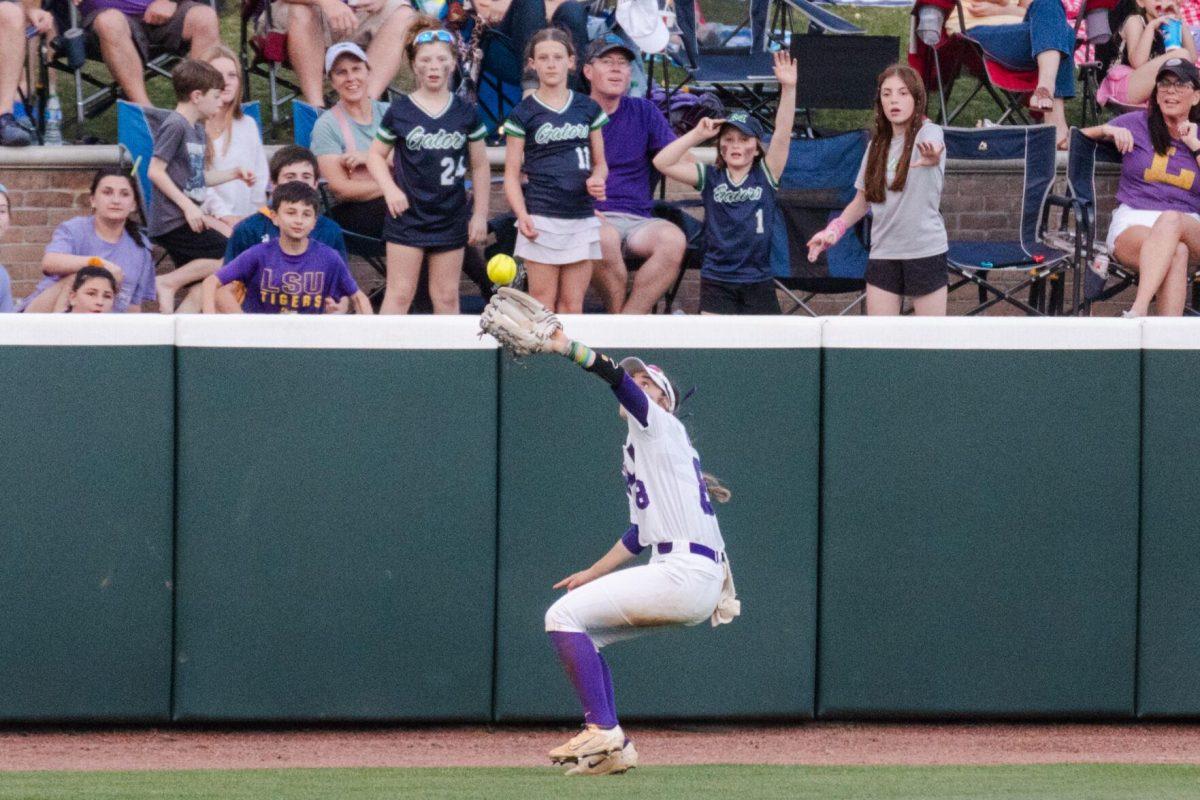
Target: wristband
[837, 228]
[95, 261]
[580, 353]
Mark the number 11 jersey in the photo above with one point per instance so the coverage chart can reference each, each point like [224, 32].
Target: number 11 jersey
[430, 162]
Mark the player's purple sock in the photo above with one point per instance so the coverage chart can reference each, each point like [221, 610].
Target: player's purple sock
[586, 671]
[609, 696]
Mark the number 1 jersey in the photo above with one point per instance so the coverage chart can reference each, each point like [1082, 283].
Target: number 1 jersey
[738, 219]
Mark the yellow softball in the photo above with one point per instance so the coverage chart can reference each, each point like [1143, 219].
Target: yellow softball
[501, 269]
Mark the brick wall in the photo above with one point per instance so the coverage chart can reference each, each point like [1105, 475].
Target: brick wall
[47, 186]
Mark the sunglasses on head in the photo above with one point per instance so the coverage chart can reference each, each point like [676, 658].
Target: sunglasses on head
[425, 37]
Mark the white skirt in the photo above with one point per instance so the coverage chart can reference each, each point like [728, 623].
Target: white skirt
[1124, 217]
[561, 241]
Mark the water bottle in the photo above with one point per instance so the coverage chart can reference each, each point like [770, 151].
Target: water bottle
[930, 20]
[53, 136]
[1172, 34]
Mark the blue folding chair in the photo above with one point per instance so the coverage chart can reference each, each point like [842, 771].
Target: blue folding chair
[1083, 156]
[1042, 269]
[136, 127]
[816, 185]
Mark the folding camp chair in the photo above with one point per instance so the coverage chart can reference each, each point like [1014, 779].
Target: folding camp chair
[263, 51]
[1092, 33]
[103, 93]
[1082, 159]
[1025, 260]
[941, 64]
[816, 185]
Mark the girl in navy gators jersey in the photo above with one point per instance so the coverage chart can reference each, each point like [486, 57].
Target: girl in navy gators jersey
[739, 200]
[555, 133]
[434, 134]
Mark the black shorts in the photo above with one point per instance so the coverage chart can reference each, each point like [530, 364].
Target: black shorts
[718, 297]
[908, 277]
[183, 244]
[167, 37]
[452, 237]
[364, 217]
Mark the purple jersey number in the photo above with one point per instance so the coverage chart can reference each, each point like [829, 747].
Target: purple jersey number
[705, 502]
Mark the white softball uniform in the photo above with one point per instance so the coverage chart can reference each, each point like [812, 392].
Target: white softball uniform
[668, 503]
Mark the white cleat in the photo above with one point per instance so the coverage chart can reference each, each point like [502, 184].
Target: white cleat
[616, 763]
[591, 741]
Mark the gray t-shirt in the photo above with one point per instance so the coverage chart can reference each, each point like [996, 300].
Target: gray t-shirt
[327, 138]
[181, 145]
[909, 224]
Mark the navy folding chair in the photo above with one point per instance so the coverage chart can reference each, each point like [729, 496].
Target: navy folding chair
[1022, 258]
[814, 188]
[1082, 158]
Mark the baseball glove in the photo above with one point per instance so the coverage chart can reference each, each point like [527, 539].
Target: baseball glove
[521, 324]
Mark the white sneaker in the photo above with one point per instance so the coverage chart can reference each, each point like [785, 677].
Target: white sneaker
[591, 741]
[616, 763]
[1130, 314]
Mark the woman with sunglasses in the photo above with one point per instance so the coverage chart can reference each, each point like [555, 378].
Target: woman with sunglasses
[435, 134]
[1155, 229]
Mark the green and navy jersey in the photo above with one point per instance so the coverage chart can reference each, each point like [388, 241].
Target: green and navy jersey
[430, 160]
[558, 155]
[737, 224]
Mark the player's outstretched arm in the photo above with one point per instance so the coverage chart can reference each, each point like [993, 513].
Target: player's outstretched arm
[628, 393]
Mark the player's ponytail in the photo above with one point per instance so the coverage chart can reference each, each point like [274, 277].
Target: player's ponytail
[716, 489]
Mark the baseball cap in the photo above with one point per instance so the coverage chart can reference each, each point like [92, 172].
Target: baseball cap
[642, 21]
[633, 365]
[745, 123]
[343, 49]
[609, 42]
[1182, 69]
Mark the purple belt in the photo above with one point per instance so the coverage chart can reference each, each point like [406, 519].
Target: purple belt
[694, 547]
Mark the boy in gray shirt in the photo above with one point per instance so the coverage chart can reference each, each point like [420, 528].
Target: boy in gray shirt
[177, 171]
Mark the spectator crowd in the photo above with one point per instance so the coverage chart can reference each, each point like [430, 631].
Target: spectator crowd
[245, 233]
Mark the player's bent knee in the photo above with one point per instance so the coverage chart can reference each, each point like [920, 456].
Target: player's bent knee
[560, 618]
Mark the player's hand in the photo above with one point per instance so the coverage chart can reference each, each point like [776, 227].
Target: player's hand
[785, 69]
[194, 217]
[707, 128]
[159, 11]
[337, 306]
[1121, 137]
[396, 200]
[341, 18]
[560, 341]
[477, 231]
[526, 227]
[819, 244]
[576, 579]
[596, 187]
[930, 152]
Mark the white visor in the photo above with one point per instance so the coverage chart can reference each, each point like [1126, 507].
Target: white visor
[634, 365]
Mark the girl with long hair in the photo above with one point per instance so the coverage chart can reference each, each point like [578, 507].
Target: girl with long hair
[739, 200]
[432, 134]
[233, 140]
[1155, 229]
[554, 137]
[900, 182]
[110, 237]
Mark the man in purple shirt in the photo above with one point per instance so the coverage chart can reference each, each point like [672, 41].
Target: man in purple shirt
[636, 131]
[122, 32]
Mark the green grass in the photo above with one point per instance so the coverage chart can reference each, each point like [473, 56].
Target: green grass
[1047, 782]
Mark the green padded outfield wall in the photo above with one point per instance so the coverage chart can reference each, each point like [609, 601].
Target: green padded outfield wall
[1169, 634]
[337, 519]
[86, 506]
[979, 518]
[754, 422]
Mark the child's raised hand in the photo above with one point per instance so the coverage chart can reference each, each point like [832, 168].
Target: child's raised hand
[785, 69]
[708, 127]
[930, 152]
[819, 243]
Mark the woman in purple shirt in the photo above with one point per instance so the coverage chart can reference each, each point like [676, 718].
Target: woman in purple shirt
[1156, 228]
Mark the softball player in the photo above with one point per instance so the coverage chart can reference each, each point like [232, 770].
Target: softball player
[686, 581]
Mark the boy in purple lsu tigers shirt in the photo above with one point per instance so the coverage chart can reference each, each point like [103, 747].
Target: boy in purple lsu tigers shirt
[292, 274]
